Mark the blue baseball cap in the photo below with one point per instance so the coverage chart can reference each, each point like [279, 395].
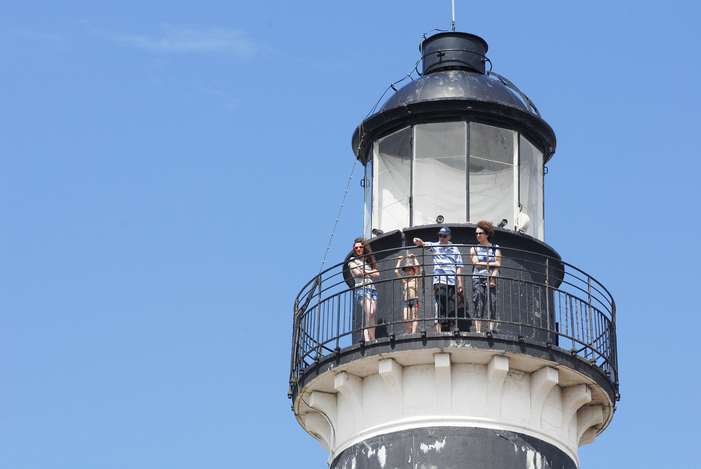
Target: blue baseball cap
[444, 231]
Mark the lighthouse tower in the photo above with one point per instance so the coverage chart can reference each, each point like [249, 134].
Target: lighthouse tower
[459, 145]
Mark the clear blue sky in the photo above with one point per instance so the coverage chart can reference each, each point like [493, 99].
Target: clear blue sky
[170, 174]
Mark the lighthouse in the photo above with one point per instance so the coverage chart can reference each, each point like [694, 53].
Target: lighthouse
[457, 147]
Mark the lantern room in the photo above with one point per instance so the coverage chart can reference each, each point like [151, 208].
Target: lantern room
[459, 145]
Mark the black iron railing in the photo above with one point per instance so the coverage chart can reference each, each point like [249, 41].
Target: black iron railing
[539, 299]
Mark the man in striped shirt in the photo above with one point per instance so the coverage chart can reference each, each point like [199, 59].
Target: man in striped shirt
[447, 263]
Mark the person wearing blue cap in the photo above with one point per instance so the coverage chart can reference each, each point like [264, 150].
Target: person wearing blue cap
[447, 263]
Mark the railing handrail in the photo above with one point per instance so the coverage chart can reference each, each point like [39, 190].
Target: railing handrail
[502, 248]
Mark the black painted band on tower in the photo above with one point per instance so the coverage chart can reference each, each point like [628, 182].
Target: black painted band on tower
[454, 447]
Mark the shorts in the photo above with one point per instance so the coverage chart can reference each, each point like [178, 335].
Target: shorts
[363, 292]
[411, 302]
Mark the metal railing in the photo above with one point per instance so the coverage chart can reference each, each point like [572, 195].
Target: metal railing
[539, 299]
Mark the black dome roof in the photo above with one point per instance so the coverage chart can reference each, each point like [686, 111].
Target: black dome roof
[452, 85]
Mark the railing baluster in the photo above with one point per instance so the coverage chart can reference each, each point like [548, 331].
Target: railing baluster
[547, 292]
[591, 326]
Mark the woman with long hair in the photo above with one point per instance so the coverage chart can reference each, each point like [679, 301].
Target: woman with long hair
[363, 267]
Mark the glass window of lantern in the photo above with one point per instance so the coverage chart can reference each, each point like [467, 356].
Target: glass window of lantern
[492, 173]
[531, 189]
[439, 173]
[392, 176]
[368, 185]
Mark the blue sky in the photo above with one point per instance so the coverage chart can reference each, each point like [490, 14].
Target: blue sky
[171, 172]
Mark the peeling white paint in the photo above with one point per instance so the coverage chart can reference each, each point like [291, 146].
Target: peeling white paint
[371, 452]
[353, 463]
[382, 456]
[459, 343]
[534, 460]
[438, 445]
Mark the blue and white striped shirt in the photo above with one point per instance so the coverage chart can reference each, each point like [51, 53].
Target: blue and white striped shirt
[483, 253]
[446, 261]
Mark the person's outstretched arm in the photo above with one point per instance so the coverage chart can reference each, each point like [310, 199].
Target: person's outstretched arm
[417, 266]
[396, 269]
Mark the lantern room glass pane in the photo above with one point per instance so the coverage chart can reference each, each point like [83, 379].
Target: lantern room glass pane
[440, 173]
[392, 177]
[492, 173]
[531, 189]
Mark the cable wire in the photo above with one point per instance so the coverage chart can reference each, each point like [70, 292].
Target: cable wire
[343, 202]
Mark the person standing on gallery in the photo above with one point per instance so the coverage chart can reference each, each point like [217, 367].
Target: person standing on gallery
[447, 264]
[363, 267]
[487, 262]
[410, 285]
